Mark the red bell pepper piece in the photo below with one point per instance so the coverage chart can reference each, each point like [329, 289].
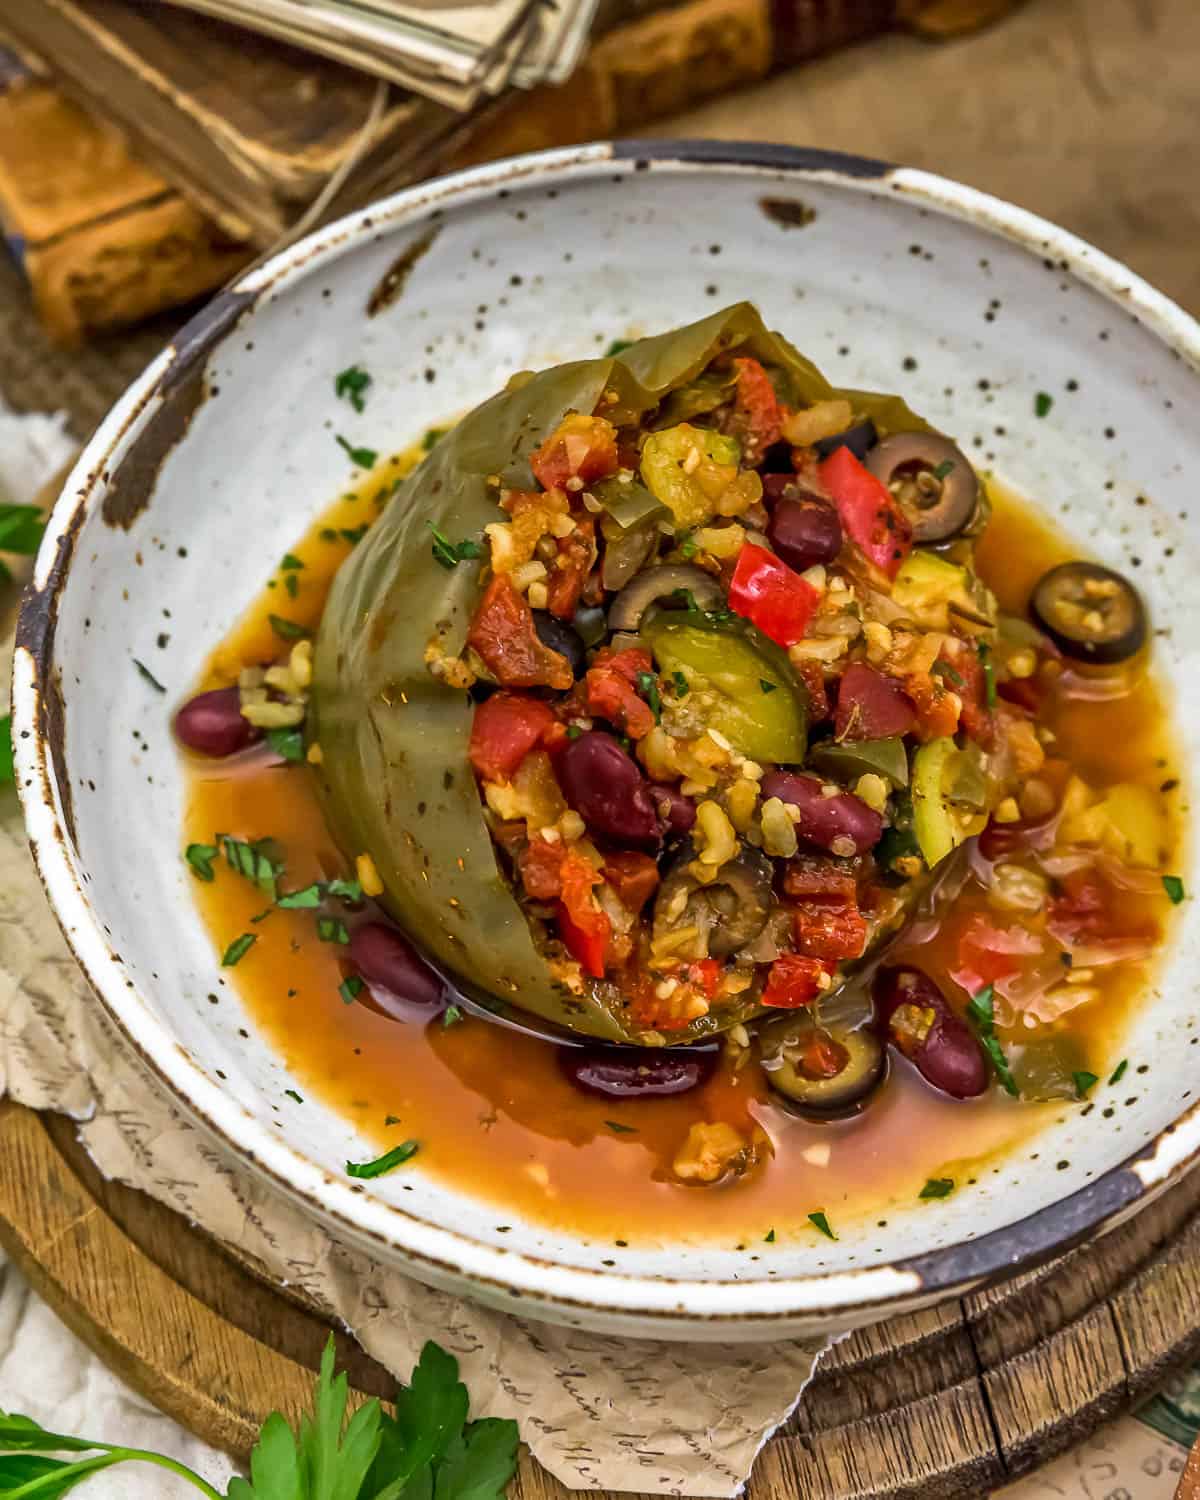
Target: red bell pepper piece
[586, 932]
[871, 706]
[506, 727]
[868, 511]
[612, 690]
[772, 596]
[794, 981]
[823, 930]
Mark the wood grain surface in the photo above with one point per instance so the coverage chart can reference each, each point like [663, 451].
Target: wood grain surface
[941, 1405]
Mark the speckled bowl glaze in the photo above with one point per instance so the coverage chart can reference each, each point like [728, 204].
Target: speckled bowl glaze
[217, 457]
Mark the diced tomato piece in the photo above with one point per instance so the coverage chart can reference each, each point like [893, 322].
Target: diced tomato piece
[795, 980]
[705, 976]
[976, 717]
[586, 935]
[765, 591]
[612, 690]
[503, 635]
[871, 705]
[816, 877]
[504, 730]
[823, 930]
[565, 581]
[937, 710]
[757, 416]
[580, 447]
[869, 513]
[987, 953]
[633, 876]
[556, 871]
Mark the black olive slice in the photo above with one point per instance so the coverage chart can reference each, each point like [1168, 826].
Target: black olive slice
[561, 638]
[932, 480]
[1090, 613]
[823, 1072]
[860, 439]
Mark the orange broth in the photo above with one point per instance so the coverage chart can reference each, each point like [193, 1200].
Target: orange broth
[494, 1116]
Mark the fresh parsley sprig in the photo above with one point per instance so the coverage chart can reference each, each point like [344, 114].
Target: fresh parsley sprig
[982, 1017]
[449, 553]
[428, 1448]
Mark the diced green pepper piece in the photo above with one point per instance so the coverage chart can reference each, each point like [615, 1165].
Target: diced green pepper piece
[938, 830]
[1046, 1069]
[690, 469]
[699, 396]
[925, 586]
[965, 783]
[628, 504]
[886, 757]
[724, 663]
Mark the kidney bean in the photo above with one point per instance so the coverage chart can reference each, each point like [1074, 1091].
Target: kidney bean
[998, 840]
[843, 824]
[635, 1073]
[946, 1054]
[871, 706]
[805, 532]
[677, 811]
[397, 976]
[213, 724]
[607, 789]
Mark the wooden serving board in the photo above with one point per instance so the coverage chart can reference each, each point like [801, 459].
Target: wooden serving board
[943, 1405]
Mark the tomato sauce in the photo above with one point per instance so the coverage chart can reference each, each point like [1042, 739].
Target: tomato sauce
[495, 1117]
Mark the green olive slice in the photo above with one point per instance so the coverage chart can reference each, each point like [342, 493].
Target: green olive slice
[932, 480]
[1090, 613]
[822, 1071]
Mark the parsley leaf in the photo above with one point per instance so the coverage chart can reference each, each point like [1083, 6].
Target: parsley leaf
[617, 347]
[288, 744]
[769, 1237]
[944, 669]
[573, 731]
[767, 687]
[200, 857]
[145, 672]
[253, 861]
[302, 900]
[350, 989]
[618, 1129]
[1174, 889]
[1084, 1083]
[336, 1462]
[431, 1412]
[1042, 403]
[354, 534]
[288, 630]
[348, 890]
[332, 930]
[351, 384]
[6, 749]
[396, 1157]
[291, 563]
[989, 673]
[822, 1223]
[238, 949]
[480, 1464]
[449, 553]
[648, 687]
[21, 528]
[981, 1016]
[681, 683]
[451, 1016]
[1119, 1071]
[937, 1187]
[944, 469]
[292, 1094]
[687, 545]
[429, 441]
[363, 458]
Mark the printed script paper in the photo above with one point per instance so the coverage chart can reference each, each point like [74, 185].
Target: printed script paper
[599, 1413]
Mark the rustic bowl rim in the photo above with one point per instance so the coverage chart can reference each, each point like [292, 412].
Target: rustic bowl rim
[855, 1294]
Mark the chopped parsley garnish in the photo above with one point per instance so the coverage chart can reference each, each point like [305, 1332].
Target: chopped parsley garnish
[687, 545]
[981, 1015]
[351, 384]
[1042, 403]
[6, 749]
[238, 949]
[449, 553]
[617, 346]
[430, 438]
[573, 731]
[944, 469]
[292, 584]
[303, 900]
[451, 1016]
[944, 669]
[618, 1129]
[288, 744]
[288, 630]
[328, 534]
[332, 930]
[252, 861]
[989, 673]
[822, 1223]
[1066, 960]
[149, 676]
[769, 1237]
[937, 1187]
[348, 890]
[681, 683]
[392, 1120]
[21, 528]
[767, 687]
[354, 534]
[200, 857]
[291, 563]
[687, 599]
[648, 687]
[292, 1094]
[1084, 1083]
[396, 1157]
[364, 458]
[350, 989]
[1174, 889]
[1119, 1071]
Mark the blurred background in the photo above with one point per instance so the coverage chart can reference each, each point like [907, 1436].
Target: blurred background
[148, 151]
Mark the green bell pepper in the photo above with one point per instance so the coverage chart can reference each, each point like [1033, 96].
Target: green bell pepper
[886, 757]
[943, 776]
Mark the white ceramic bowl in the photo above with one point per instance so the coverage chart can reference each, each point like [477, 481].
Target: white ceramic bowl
[223, 451]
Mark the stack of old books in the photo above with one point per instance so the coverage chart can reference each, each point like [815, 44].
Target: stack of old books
[147, 152]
